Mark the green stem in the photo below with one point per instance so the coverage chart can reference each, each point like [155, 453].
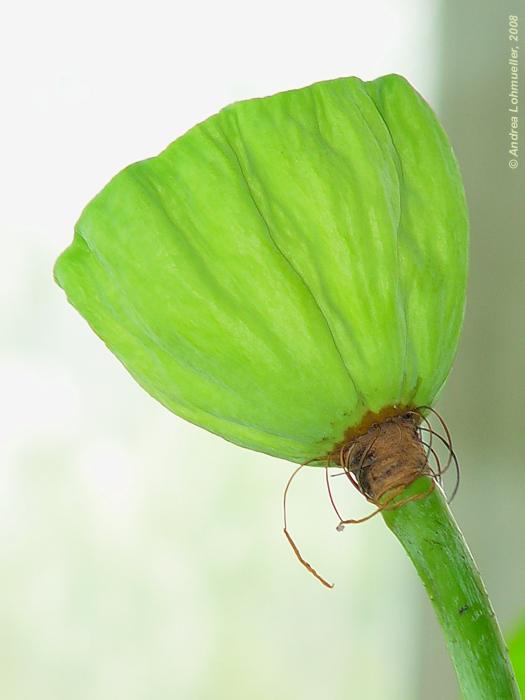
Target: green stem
[433, 541]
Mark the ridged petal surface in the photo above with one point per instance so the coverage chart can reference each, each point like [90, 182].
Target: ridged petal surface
[285, 266]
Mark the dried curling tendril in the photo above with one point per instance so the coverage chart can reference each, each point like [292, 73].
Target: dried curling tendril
[381, 462]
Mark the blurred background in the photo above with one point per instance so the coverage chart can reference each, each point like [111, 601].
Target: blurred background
[141, 557]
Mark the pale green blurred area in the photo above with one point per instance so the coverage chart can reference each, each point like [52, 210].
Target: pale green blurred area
[485, 397]
[141, 557]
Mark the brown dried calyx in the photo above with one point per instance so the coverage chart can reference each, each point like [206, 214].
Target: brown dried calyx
[381, 457]
[388, 457]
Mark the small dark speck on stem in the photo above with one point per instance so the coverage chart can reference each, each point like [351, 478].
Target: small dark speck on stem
[463, 609]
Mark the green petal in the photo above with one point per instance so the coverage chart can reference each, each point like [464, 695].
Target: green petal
[284, 267]
[433, 236]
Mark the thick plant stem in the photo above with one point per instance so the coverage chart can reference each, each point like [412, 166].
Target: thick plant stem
[433, 541]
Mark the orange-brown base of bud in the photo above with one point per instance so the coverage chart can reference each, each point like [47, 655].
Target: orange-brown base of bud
[387, 457]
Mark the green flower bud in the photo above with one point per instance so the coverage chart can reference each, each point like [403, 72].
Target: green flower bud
[288, 269]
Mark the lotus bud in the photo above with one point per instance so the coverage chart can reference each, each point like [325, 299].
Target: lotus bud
[289, 271]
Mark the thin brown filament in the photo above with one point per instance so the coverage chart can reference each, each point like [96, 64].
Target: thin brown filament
[452, 459]
[452, 455]
[419, 427]
[306, 565]
[445, 443]
[456, 487]
[436, 458]
[428, 471]
[439, 417]
[356, 521]
[285, 494]
[365, 454]
[350, 477]
[388, 505]
[352, 480]
[330, 495]
[413, 497]
[294, 547]
[344, 459]
[431, 435]
[442, 421]
[362, 462]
